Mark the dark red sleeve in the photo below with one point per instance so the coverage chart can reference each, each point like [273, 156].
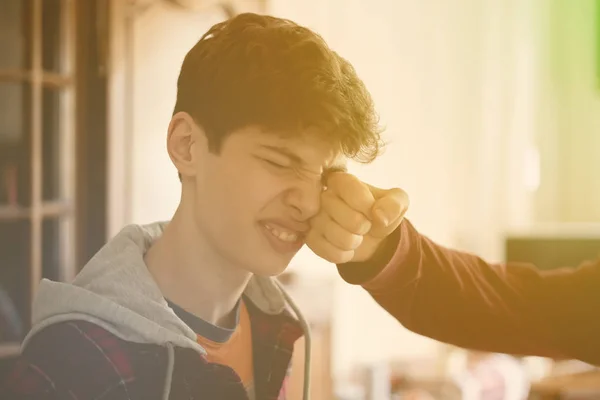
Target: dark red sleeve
[458, 298]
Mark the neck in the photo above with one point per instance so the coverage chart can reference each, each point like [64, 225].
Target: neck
[191, 274]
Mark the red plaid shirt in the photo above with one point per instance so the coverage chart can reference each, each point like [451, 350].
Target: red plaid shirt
[80, 360]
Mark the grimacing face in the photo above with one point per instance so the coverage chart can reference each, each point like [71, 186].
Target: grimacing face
[255, 197]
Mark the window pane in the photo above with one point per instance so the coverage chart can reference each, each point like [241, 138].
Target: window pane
[14, 275]
[51, 33]
[13, 34]
[51, 144]
[51, 249]
[14, 144]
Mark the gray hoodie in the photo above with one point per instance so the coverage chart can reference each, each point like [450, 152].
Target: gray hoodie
[116, 292]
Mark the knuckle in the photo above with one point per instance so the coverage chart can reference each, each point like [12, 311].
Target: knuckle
[401, 195]
[343, 180]
[357, 223]
[350, 179]
[335, 178]
[341, 257]
[348, 241]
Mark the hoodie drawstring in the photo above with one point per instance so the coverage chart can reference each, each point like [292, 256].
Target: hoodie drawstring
[170, 368]
[307, 342]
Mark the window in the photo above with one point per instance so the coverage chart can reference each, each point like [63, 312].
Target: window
[37, 155]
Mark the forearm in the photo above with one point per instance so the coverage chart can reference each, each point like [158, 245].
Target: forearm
[459, 298]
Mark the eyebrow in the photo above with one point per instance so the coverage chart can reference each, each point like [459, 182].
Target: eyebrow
[285, 152]
[296, 159]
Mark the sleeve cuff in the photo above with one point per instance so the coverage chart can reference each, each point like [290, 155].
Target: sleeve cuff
[383, 264]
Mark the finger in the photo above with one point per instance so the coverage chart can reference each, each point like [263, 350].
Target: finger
[324, 249]
[348, 218]
[352, 191]
[380, 231]
[334, 233]
[389, 212]
[390, 206]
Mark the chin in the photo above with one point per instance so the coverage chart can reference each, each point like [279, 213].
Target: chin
[271, 268]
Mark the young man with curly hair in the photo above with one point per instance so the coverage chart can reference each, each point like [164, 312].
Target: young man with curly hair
[189, 309]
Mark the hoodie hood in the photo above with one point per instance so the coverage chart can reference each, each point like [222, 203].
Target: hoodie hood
[116, 291]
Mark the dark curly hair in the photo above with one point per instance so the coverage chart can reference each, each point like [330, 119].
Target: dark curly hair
[260, 70]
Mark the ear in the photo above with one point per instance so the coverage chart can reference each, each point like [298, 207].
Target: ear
[182, 135]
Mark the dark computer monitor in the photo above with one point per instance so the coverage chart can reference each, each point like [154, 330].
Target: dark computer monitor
[552, 251]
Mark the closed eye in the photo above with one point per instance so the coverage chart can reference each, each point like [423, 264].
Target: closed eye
[276, 165]
[301, 173]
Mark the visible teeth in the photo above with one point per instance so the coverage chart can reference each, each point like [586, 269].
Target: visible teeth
[282, 235]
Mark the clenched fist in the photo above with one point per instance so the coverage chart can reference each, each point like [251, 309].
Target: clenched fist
[354, 219]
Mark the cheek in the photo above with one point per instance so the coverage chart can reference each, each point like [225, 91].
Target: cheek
[241, 189]
[258, 186]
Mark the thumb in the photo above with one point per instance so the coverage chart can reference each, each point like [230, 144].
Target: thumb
[390, 206]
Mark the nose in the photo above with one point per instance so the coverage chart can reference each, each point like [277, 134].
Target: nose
[304, 199]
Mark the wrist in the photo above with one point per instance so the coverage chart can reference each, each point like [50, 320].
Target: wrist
[369, 249]
[359, 272]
